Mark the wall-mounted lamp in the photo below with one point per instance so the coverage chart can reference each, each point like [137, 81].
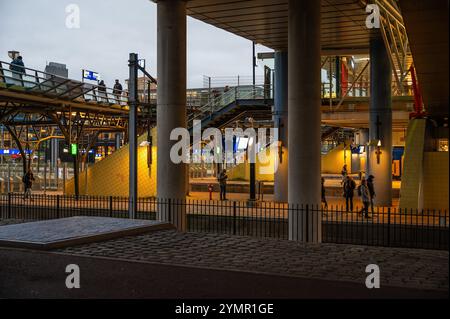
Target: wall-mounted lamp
[376, 143]
[280, 151]
[378, 151]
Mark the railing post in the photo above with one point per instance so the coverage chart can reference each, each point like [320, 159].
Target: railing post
[110, 206]
[306, 224]
[169, 210]
[57, 206]
[234, 218]
[9, 205]
[389, 226]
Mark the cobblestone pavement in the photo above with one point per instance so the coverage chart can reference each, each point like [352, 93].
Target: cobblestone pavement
[399, 267]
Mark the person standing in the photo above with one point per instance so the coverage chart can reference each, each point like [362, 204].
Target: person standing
[324, 199]
[371, 188]
[365, 198]
[349, 188]
[117, 91]
[18, 69]
[27, 180]
[101, 88]
[223, 184]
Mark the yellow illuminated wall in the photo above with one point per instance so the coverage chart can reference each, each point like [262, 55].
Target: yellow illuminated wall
[109, 177]
[264, 169]
[435, 180]
[333, 161]
[411, 188]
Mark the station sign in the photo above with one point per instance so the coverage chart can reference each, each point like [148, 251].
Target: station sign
[91, 75]
[12, 152]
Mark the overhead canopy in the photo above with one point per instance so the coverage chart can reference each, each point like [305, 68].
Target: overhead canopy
[427, 26]
[266, 22]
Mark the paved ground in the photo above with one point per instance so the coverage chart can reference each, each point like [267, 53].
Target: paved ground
[66, 231]
[407, 268]
[31, 274]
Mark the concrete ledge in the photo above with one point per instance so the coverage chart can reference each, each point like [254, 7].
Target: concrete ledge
[57, 233]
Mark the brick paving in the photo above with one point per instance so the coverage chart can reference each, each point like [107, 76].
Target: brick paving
[399, 267]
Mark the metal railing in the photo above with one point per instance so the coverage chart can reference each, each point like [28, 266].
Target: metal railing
[31, 80]
[385, 227]
[224, 99]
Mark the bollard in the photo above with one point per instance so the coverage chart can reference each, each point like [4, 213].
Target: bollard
[9, 178]
[210, 189]
[64, 177]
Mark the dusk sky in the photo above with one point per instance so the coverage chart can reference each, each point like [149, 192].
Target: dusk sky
[109, 31]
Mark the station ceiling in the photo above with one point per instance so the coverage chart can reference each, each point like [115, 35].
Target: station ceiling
[266, 22]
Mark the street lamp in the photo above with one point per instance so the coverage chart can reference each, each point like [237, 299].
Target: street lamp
[13, 54]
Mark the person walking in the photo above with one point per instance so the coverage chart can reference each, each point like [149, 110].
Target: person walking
[117, 91]
[365, 198]
[223, 184]
[349, 188]
[371, 188]
[27, 180]
[324, 199]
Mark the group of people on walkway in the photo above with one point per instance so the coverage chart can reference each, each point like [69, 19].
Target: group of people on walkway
[365, 190]
[117, 91]
[18, 70]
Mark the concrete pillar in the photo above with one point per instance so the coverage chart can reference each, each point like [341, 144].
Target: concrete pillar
[304, 118]
[380, 122]
[281, 122]
[171, 102]
[117, 140]
[54, 152]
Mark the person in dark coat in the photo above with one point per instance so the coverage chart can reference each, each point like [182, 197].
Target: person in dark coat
[371, 188]
[349, 188]
[117, 91]
[223, 184]
[27, 180]
[365, 198]
[17, 65]
[18, 70]
[101, 88]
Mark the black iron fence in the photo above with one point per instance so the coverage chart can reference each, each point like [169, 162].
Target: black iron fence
[384, 227]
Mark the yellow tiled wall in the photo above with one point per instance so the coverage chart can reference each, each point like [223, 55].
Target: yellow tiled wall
[435, 180]
[110, 175]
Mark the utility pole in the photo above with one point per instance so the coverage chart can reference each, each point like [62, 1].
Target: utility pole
[253, 165]
[132, 135]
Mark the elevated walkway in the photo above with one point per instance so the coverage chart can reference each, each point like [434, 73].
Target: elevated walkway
[38, 91]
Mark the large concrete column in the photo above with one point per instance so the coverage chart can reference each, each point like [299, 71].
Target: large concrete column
[281, 122]
[380, 122]
[171, 101]
[304, 118]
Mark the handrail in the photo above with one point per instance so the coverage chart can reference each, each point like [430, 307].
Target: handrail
[61, 87]
[232, 95]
